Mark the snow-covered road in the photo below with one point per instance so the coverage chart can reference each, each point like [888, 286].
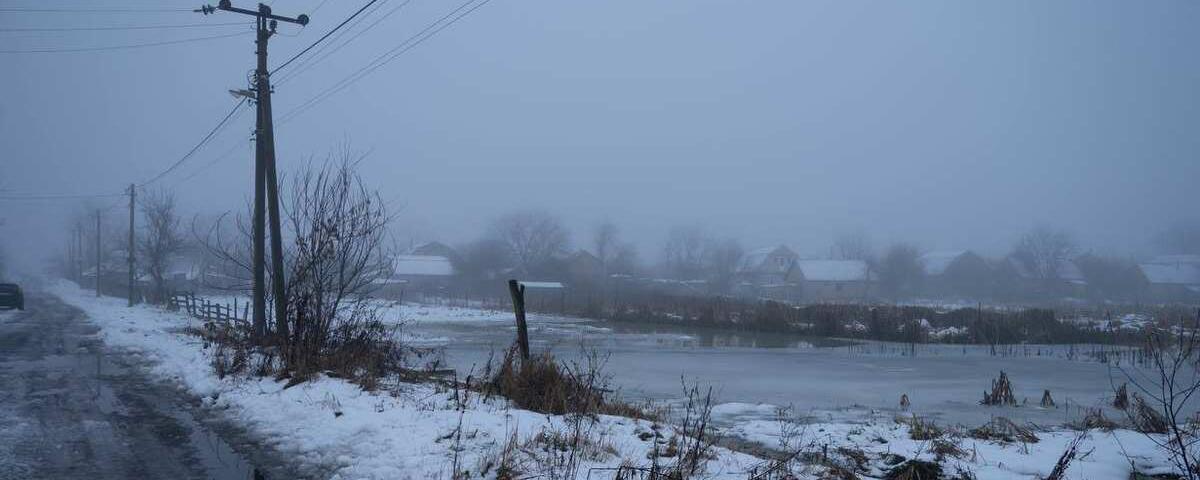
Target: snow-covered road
[69, 408]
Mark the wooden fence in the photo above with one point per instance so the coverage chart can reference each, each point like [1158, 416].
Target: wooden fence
[208, 310]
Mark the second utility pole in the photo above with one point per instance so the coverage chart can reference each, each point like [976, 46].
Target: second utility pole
[97, 252]
[132, 275]
[266, 185]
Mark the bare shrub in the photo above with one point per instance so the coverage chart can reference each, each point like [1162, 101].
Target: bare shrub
[1145, 418]
[506, 462]
[335, 229]
[915, 470]
[943, 448]
[338, 228]
[1121, 398]
[1047, 400]
[1004, 430]
[694, 432]
[1064, 461]
[1001, 393]
[1094, 419]
[1163, 392]
[921, 429]
[160, 240]
[543, 384]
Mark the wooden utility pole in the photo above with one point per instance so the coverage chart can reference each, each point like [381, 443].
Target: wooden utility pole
[97, 252]
[266, 188]
[518, 300]
[79, 250]
[132, 275]
[71, 256]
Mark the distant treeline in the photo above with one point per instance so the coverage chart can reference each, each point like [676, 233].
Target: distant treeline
[980, 326]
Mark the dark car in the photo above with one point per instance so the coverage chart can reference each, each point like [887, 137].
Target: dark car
[11, 296]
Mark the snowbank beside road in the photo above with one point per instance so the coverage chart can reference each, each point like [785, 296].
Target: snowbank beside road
[1104, 455]
[410, 431]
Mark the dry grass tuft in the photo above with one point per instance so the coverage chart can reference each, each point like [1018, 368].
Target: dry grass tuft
[1004, 430]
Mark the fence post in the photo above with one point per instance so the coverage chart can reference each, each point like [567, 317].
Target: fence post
[518, 300]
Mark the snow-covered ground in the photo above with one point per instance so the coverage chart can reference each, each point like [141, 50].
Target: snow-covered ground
[1103, 455]
[411, 431]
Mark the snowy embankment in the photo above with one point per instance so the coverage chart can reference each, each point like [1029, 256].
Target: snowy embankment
[1103, 455]
[877, 435]
[408, 431]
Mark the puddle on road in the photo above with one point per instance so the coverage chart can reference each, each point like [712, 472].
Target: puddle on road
[217, 457]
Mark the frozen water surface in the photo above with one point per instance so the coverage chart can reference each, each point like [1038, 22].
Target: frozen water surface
[827, 379]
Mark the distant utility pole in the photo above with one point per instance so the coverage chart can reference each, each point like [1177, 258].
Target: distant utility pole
[79, 250]
[266, 186]
[97, 252]
[132, 200]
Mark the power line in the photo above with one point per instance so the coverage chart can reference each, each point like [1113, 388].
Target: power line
[313, 61]
[323, 37]
[408, 44]
[122, 28]
[59, 196]
[123, 47]
[318, 7]
[92, 10]
[220, 158]
[317, 55]
[198, 145]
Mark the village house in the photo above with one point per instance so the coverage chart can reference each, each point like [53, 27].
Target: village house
[956, 273]
[1066, 280]
[768, 273]
[422, 273]
[435, 249]
[584, 270]
[835, 280]
[1172, 278]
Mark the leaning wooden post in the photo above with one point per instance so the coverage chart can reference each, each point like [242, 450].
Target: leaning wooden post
[518, 300]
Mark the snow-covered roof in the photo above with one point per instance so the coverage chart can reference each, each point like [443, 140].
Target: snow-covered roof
[422, 265]
[834, 270]
[1185, 258]
[542, 284]
[1066, 270]
[1171, 273]
[935, 263]
[756, 260]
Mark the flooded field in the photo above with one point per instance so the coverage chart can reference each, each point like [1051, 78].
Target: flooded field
[829, 379]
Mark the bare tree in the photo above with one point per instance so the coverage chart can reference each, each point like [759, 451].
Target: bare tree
[1169, 383]
[1044, 250]
[533, 238]
[160, 240]
[722, 258]
[900, 269]
[616, 256]
[605, 242]
[335, 233]
[683, 252]
[855, 245]
[227, 251]
[624, 261]
[482, 259]
[338, 230]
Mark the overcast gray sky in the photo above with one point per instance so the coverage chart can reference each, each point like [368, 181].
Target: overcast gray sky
[946, 123]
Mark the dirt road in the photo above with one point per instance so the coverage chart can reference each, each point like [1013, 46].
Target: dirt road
[70, 408]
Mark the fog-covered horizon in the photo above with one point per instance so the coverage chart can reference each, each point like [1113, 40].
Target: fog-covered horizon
[944, 124]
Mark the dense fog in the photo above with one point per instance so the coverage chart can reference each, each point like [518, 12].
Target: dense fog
[941, 125]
